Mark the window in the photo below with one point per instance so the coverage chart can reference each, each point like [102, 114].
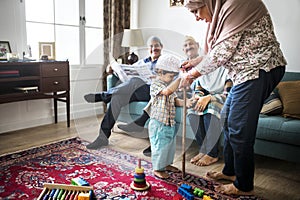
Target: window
[76, 27]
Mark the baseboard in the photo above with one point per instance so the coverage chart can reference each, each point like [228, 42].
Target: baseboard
[76, 113]
[18, 125]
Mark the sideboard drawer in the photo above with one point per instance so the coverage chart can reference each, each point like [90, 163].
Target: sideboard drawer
[55, 84]
[55, 69]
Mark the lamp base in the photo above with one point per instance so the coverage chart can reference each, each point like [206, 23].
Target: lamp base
[132, 58]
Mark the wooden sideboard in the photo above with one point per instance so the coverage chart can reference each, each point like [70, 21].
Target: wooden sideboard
[36, 80]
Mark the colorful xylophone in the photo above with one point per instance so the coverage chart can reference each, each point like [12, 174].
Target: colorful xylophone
[66, 192]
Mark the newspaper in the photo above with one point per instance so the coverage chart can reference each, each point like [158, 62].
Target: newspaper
[126, 72]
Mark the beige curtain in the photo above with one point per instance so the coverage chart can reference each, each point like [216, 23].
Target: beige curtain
[116, 19]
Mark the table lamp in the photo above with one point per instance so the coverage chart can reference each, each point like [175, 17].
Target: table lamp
[132, 38]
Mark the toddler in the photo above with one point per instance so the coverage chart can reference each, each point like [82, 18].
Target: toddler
[161, 110]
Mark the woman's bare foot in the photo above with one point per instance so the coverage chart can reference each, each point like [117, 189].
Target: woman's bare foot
[230, 189]
[219, 176]
[161, 174]
[197, 157]
[206, 160]
[172, 168]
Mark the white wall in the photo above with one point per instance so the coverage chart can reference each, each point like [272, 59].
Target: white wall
[11, 29]
[25, 114]
[286, 17]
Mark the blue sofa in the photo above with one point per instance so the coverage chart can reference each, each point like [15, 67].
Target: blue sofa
[276, 137]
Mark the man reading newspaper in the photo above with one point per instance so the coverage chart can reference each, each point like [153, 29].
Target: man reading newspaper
[132, 89]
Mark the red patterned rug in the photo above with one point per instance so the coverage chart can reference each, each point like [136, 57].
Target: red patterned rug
[110, 172]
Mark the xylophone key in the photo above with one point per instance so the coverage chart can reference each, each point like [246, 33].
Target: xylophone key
[76, 195]
[56, 194]
[60, 194]
[52, 194]
[91, 194]
[46, 197]
[84, 196]
[63, 196]
[72, 196]
[68, 197]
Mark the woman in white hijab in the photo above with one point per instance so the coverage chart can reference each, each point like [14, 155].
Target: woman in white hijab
[240, 37]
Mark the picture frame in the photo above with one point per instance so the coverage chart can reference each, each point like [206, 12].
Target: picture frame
[47, 49]
[176, 3]
[4, 50]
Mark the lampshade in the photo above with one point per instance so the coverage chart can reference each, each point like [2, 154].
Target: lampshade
[132, 38]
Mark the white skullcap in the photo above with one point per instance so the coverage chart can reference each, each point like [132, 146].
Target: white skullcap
[168, 62]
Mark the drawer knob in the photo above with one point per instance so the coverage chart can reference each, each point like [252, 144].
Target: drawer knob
[55, 82]
[55, 69]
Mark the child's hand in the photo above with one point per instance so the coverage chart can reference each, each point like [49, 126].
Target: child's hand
[186, 80]
[190, 102]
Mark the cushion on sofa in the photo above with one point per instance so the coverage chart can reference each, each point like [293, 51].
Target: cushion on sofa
[289, 92]
[272, 105]
[136, 108]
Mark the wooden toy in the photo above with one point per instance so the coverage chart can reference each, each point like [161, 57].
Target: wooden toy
[139, 182]
[64, 191]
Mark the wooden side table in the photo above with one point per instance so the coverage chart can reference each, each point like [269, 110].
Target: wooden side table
[36, 80]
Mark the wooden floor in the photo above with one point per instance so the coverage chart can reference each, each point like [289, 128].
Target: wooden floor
[274, 179]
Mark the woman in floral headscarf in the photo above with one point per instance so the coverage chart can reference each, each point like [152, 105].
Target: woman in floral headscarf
[240, 37]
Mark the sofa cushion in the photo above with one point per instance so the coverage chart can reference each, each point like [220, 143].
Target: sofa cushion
[289, 92]
[279, 129]
[135, 108]
[272, 105]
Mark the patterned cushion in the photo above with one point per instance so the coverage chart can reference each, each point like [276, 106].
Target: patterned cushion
[272, 105]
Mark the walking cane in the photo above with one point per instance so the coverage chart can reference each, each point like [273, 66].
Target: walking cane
[183, 132]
